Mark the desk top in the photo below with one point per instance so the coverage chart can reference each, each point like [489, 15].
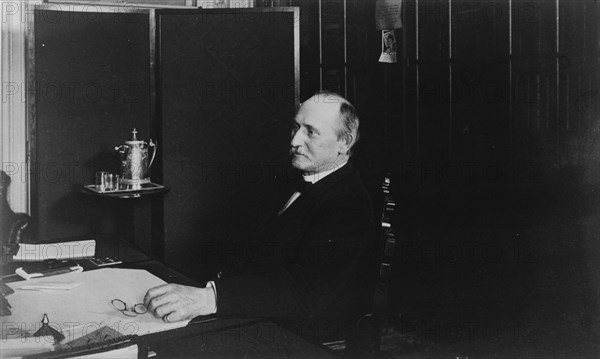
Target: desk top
[211, 336]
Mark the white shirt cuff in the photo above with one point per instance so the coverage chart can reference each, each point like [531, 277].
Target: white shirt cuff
[211, 284]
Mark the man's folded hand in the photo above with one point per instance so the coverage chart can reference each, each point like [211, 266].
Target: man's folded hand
[174, 302]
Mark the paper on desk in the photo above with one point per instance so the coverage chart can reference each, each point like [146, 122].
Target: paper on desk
[129, 352]
[63, 250]
[21, 346]
[51, 286]
[88, 307]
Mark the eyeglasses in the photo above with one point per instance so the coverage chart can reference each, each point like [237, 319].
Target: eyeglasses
[133, 311]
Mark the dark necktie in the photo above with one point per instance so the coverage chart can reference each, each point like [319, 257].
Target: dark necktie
[302, 185]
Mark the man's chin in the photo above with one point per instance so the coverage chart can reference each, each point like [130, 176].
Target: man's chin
[299, 164]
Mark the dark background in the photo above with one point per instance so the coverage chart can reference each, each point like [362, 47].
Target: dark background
[489, 129]
[488, 126]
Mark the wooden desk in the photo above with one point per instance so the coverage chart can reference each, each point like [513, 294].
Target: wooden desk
[208, 336]
[250, 340]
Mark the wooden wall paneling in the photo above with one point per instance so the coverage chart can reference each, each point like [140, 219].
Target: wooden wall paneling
[362, 46]
[434, 81]
[592, 35]
[480, 81]
[410, 84]
[227, 96]
[588, 103]
[310, 61]
[91, 86]
[333, 30]
[534, 82]
[579, 84]
[571, 17]
[365, 89]
[395, 128]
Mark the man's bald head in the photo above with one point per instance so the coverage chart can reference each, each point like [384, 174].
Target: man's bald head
[348, 121]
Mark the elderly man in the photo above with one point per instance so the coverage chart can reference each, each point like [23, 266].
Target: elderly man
[313, 276]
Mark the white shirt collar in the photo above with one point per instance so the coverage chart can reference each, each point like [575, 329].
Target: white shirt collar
[316, 177]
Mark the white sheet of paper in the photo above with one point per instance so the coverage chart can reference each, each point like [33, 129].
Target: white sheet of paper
[51, 286]
[87, 307]
[18, 347]
[130, 352]
[388, 14]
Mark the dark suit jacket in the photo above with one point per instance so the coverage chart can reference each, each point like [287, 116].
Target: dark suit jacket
[310, 270]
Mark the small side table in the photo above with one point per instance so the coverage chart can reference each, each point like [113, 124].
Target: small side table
[138, 212]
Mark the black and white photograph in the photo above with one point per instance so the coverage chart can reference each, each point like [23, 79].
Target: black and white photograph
[392, 179]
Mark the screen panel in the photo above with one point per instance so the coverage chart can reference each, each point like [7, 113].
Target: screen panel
[92, 88]
[228, 94]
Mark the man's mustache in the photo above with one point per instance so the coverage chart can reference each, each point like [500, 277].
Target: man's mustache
[295, 152]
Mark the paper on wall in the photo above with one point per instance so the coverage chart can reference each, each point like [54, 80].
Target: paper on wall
[388, 47]
[388, 14]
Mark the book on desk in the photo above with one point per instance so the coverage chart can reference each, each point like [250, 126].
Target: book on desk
[48, 268]
[114, 348]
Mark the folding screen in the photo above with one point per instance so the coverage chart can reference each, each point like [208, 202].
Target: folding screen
[228, 91]
[91, 76]
[217, 89]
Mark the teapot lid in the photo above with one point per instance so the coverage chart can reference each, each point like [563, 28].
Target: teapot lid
[134, 140]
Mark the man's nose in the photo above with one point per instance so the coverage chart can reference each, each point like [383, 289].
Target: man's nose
[296, 139]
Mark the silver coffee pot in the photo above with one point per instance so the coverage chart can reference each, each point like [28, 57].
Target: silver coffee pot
[135, 167]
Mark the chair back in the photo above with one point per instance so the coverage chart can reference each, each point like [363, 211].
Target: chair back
[13, 226]
[366, 338]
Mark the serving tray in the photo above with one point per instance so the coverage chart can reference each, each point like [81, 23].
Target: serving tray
[129, 191]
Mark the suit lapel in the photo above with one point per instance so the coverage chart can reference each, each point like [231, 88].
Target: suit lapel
[323, 185]
[288, 227]
[316, 191]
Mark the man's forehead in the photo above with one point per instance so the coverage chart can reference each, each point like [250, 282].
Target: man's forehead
[320, 111]
[326, 100]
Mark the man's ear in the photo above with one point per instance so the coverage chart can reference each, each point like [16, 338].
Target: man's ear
[345, 143]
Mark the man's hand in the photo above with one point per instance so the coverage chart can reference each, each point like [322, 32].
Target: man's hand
[174, 302]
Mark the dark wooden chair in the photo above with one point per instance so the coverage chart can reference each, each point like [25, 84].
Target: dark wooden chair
[365, 339]
[14, 227]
